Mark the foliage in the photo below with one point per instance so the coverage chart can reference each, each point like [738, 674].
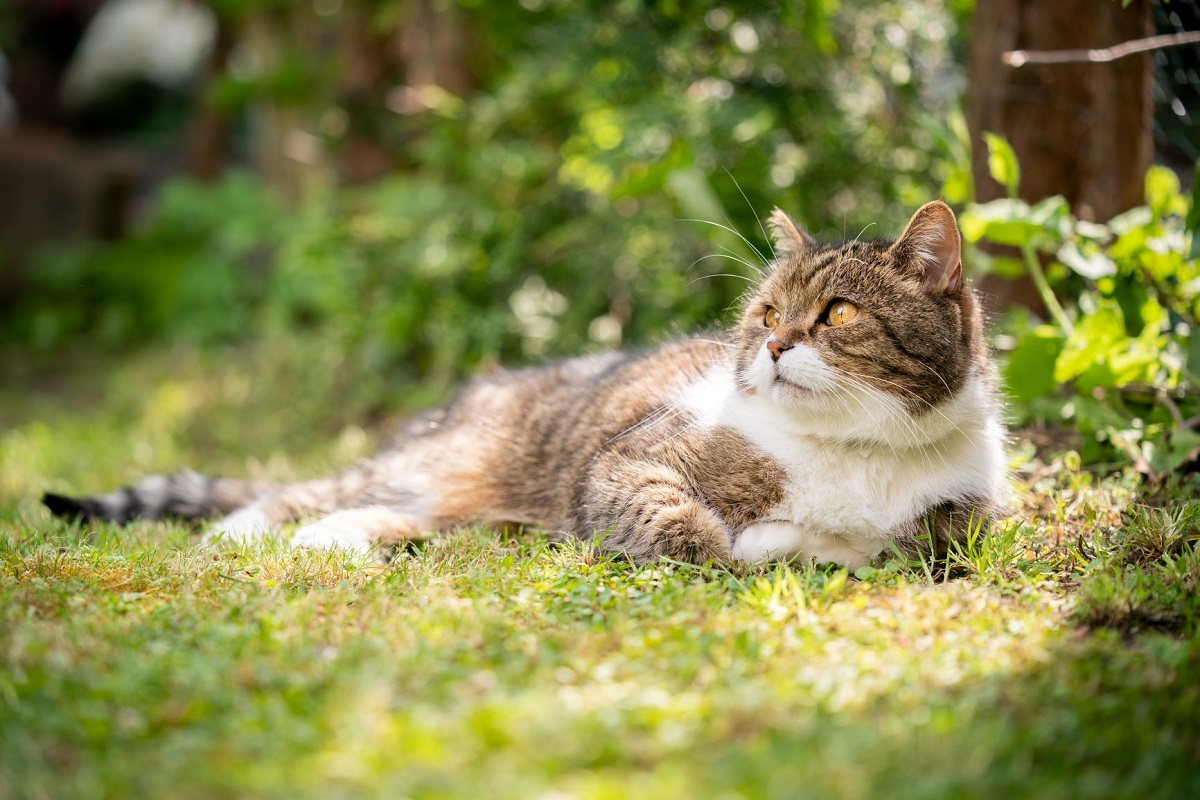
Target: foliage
[829, 109]
[1118, 358]
[578, 196]
[196, 273]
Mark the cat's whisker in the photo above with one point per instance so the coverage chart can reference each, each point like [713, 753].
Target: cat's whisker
[761, 228]
[757, 270]
[735, 232]
[930, 406]
[718, 275]
[661, 414]
[866, 410]
[866, 228]
[901, 416]
[938, 375]
[729, 257]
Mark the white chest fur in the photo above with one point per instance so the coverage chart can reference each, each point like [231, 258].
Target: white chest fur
[843, 500]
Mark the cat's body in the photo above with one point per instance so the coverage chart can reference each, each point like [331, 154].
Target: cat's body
[853, 407]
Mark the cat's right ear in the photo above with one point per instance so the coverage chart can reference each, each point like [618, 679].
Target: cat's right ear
[788, 238]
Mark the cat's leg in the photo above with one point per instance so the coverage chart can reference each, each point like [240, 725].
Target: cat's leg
[247, 524]
[360, 530]
[294, 501]
[930, 534]
[650, 510]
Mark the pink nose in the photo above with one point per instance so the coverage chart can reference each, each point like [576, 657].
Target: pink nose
[777, 347]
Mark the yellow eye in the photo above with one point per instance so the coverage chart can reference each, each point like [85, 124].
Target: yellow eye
[841, 312]
[771, 318]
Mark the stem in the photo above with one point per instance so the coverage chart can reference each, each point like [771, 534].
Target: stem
[1043, 286]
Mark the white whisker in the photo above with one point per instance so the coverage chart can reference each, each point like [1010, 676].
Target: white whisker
[735, 232]
[762, 228]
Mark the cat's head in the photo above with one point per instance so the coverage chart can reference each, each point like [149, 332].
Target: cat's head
[866, 340]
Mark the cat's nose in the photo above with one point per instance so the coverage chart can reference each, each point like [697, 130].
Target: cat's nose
[777, 347]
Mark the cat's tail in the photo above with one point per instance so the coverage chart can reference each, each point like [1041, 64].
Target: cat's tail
[183, 494]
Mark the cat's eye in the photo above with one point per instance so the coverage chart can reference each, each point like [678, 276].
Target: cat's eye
[841, 312]
[772, 317]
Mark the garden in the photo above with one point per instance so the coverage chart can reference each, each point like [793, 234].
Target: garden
[404, 194]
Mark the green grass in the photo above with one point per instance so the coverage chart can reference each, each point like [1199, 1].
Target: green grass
[1058, 657]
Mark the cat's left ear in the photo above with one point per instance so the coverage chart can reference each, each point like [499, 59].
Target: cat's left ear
[930, 245]
[788, 238]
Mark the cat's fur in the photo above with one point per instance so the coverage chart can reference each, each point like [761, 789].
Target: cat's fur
[806, 439]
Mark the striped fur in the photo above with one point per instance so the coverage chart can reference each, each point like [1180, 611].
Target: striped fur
[831, 444]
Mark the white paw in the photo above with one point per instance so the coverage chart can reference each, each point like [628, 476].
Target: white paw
[777, 540]
[331, 533]
[245, 525]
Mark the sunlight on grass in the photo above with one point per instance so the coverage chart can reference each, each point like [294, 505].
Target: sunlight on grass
[1054, 655]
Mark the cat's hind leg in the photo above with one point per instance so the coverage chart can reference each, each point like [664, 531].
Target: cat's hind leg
[248, 524]
[360, 530]
[292, 502]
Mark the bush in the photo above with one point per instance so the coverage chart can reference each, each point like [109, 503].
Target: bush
[1118, 358]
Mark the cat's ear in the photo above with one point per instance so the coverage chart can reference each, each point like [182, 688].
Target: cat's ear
[930, 246]
[789, 239]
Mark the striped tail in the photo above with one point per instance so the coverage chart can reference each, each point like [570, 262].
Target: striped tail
[184, 494]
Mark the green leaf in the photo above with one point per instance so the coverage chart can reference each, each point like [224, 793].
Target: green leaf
[1090, 262]
[1138, 217]
[1091, 414]
[1093, 231]
[1005, 221]
[1132, 295]
[1052, 213]
[1030, 369]
[1184, 444]
[1002, 163]
[1169, 456]
[1014, 233]
[1089, 344]
[1162, 192]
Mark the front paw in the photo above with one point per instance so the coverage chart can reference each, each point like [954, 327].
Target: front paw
[779, 541]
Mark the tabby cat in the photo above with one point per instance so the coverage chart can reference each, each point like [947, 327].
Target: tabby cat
[851, 409]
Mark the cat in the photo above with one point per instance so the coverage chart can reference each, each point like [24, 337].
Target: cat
[852, 410]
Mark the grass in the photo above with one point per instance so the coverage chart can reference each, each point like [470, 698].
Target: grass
[1057, 657]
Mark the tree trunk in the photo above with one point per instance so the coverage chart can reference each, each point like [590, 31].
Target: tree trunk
[1079, 130]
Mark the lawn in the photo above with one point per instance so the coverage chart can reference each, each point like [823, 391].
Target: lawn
[1058, 657]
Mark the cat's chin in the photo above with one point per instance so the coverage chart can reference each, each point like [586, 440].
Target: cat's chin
[822, 413]
[790, 388]
[803, 405]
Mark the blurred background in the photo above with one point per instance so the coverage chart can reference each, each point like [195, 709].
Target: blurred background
[389, 196]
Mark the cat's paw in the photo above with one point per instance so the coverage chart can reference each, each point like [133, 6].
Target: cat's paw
[778, 541]
[245, 525]
[335, 533]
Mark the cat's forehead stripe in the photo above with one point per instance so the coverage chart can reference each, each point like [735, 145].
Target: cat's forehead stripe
[830, 258]
[860, 266]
